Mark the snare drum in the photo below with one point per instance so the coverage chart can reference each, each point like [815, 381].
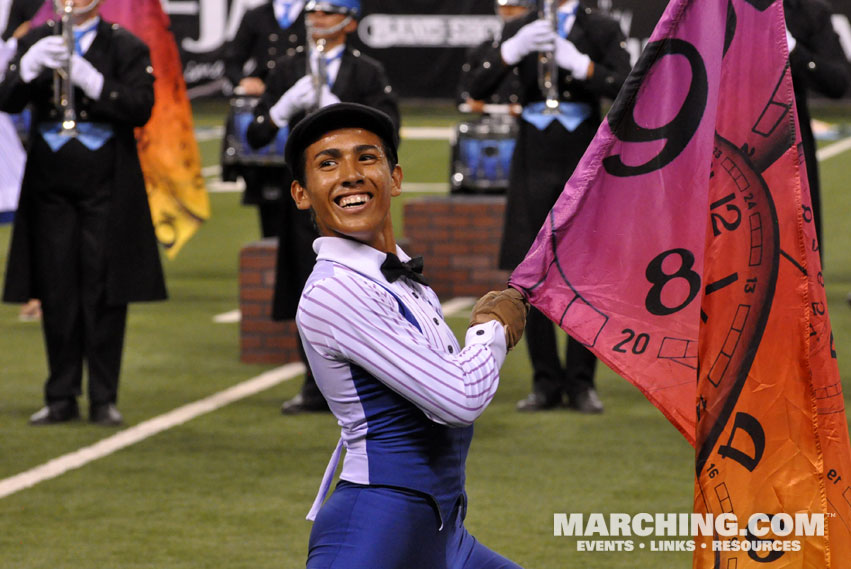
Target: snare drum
[481, 154]
[235, 148]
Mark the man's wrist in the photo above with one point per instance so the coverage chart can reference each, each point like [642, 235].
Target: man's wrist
[490, 334]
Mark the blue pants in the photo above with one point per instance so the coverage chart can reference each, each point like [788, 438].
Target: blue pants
[371, 527]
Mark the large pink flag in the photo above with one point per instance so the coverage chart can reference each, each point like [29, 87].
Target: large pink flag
[682, 251]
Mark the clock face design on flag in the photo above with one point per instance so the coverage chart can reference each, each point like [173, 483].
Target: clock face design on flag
[743, 238]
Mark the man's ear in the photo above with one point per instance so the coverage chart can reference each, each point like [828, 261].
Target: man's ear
[351, 26]
[300, 195]
[396, 176]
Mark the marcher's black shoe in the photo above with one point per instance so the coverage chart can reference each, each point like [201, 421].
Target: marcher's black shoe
[56, 413]
[106, 415]
[538, 402]
[586, 402]
[299, 404]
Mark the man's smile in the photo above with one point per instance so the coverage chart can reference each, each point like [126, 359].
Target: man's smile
[353, 200]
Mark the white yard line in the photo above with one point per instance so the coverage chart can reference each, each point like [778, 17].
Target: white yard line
[458, 304]
[427, 132]
[834, 149]
[128, 437]
[142, 431]
[230, 317]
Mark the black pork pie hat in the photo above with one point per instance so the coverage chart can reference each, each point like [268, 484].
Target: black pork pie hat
[340, 115]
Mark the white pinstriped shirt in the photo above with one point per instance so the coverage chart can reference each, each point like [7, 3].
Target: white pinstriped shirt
[377, 347]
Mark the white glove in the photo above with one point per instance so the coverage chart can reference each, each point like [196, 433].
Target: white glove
[299, 97]
[790, 39]
[535, 36]
[571, 59]
[49, 52]
[86, 77]
[327, 97]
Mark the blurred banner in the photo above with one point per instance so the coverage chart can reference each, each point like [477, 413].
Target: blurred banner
[421, 42]
[171, 161]
[683, 253]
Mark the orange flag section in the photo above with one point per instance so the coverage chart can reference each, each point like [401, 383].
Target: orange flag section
[168, 151]
[771, 438]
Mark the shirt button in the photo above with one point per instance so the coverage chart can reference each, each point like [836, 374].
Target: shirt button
[451, 350]
[436, 321]
[415, 295]
[480, 332]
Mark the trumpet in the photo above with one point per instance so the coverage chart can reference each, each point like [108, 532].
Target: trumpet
[319, 73]
[320, 76]
[63, 88]
[547, 67]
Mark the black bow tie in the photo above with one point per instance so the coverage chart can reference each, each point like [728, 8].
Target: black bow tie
[392, 268]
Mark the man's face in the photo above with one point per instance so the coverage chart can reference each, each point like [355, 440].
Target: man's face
[348, 184]
[79, 4]
[321, 21]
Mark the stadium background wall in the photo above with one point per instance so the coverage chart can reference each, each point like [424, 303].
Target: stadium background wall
[421, 42]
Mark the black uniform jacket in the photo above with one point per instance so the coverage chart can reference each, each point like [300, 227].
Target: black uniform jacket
[260, 38]
[134, 272]
[507, 93]
[818, 63]
[360, 79]
[544, 160]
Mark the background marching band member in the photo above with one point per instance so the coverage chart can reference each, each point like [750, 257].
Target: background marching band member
[590, 52]
[265, 33]
[83, 240]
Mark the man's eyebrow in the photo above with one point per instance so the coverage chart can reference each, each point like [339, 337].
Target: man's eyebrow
[332, 152]
[364, 147]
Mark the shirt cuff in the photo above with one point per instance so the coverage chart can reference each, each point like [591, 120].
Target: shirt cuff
[491, 334]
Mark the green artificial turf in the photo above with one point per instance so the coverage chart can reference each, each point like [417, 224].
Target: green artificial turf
[230, 489]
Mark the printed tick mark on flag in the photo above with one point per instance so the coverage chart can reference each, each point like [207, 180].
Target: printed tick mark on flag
[719, 284]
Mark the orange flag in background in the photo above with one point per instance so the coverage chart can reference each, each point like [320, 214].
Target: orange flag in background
[168, 151]
[683, 253]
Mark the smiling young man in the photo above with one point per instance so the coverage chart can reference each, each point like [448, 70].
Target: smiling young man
[404, 392]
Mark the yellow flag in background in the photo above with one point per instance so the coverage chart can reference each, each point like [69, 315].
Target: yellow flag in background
[168, 151]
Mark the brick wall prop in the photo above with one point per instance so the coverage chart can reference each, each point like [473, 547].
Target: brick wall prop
[262, 340]
[459, 238]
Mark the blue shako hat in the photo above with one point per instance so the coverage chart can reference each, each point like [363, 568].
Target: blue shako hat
[348, 7]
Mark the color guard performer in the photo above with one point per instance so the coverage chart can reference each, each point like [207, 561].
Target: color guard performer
[404, 392]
